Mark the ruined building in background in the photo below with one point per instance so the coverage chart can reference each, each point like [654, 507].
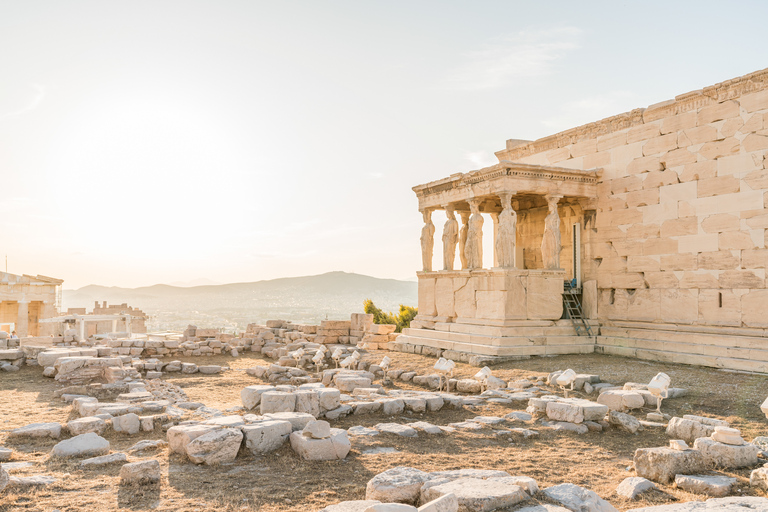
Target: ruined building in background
[106, 318]
[654, 220]
[25, 300]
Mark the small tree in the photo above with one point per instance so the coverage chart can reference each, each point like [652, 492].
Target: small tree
[402, 320]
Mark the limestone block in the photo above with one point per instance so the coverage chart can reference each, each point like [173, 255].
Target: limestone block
[142, 472]
[334, 447]
[350, 506]
[465, 303]
[725, 455]
[754, 304]
[688, 430]
[298, 420]
[578, 498]
[679, 306]
[415, 404]
[662, 464]
[307, 401]
[329, 399]
[127, 423]
[625, 421]
[445, 503]
[87, 424]
[348, 383]
[660, 144]
[705, 484]
[266, 436]
[83, 445]
[277, 401]
[478, 494]
[544, 299]
[560, 411]
[632, 486]
[391, 406]
[104, 460]
[251, 396]
[621, 400]
[180, 436]
[215, 447]
[397, 485]
[52, 430]
[397, 429]
[468, 386]
[427, 296]
[759, 478]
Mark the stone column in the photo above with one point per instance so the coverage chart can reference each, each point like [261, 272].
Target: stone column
[507, 233]
[550, 243]
[128, 328]
[450, 238]
[474, 247]
[427, 240]
[82, 329]
[22, 319]
[114, 325]
[463, 238]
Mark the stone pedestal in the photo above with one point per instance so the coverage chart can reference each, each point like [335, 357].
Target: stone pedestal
[500, 312]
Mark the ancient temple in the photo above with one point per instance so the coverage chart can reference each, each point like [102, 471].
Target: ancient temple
[497, 310]
[655, 219]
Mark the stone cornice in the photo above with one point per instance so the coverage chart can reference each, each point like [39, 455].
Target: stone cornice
[508, 169]
[690, 101]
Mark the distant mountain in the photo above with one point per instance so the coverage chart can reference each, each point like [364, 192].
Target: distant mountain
[307, 299]
[194, 282]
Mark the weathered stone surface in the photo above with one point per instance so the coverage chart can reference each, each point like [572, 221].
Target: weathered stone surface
[426, 427]
[4, 479]
[5, 454]
[759, 478]
[475, 494]
[400, 484]
[181, 435]
[277, 401]
[560, 411]
[87, 424]
[298, 420]
[469, 386]
[350, 506]
[730, 504]
[662, 464]
[143, 472]
[621, 399]
[127, 423]
[396, 428]
[330, 399]
[334, 447]
[88, 444]
[391, 507]
[726, 455]
[543, 507]
[445, 503]
[146, 445]
[103, 460]
[266, 436]
[52, 430]
[250, 396]
[31, 481]
[578, 499]
[688, 430]
[216, 447]
[632, 486]
[715, 486]
[317, 429]
[625, 421]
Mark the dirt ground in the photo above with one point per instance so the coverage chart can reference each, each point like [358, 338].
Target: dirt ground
[281, 481]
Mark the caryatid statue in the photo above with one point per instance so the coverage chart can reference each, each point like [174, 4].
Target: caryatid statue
[474, 247]
[550, 244]
[450, 238]
[505, 238]
[463, 237]
[427, 240]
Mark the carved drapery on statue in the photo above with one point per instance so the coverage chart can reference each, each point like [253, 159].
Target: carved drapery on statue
[427, 240]
[550, 243]
[474, 247]
[450, 238]
[505, 237]
[463, 238]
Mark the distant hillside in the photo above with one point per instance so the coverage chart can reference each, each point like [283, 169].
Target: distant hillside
[307, 299]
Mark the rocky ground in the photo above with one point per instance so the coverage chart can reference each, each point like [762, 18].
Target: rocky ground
[281, 481]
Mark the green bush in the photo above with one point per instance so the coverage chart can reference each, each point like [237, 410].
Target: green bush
[402, 320]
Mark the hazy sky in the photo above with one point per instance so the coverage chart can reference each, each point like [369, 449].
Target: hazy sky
[160, 141]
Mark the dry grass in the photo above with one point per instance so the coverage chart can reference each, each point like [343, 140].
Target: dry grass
[281, 481]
